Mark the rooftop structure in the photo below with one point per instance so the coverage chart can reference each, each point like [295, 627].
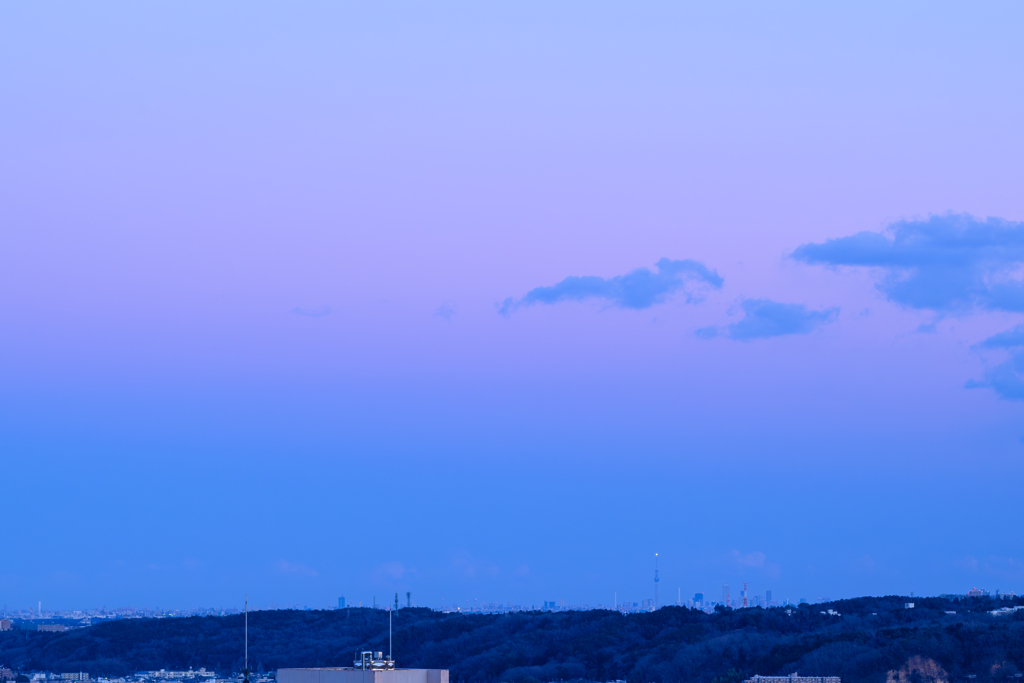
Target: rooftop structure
[793, 678]
[372, 669]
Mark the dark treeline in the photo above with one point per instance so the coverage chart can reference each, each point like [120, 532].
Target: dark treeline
[871, 637]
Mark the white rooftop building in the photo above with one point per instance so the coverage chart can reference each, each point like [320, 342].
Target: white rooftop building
[793, 678]
[369, 667]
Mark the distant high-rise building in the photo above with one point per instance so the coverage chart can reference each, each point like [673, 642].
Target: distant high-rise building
[768, 598]
[341, 603]
[698, 599]
[725, 595]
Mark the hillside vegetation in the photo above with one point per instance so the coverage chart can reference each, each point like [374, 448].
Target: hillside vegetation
[872, 640]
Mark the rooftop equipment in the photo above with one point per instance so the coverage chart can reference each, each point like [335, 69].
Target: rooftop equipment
[373, 661]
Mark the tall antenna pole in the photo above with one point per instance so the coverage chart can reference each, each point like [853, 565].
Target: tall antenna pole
[389, 628]
[246, 639]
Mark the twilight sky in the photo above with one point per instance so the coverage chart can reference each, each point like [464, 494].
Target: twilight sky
[497, 300]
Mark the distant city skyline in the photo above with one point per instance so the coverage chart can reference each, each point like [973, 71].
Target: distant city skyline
[697, 601]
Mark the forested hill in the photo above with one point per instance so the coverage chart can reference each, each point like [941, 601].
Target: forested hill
[870, 637]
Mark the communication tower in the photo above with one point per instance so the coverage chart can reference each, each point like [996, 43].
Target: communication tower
[245, 671]
[656, 580]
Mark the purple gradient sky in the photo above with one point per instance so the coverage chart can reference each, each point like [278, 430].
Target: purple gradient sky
[176, 179]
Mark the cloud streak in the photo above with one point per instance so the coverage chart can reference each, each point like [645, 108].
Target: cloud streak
[296, 568]
[950, 264]
[312, 312]
[764, 318]
[1006, 378]
[639, 289]
[1010, 339]
[953, 263]
[445, 311]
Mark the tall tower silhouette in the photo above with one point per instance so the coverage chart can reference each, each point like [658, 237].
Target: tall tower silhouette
[656, 580]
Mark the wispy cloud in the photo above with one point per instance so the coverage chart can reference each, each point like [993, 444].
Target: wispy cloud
[312, 312]
[1006, 378]
[764, 318]
[445, 311]
[471, 569]
[755, 560]
[392, 571]
[951, 264]
[639, 289]
[865, 564]
[1010, 339]
[994, 566]
[286, 567]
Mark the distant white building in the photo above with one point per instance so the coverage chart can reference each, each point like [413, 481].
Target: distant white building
[368, 667]
[164, 674]
[793, 678]
[1005, 610]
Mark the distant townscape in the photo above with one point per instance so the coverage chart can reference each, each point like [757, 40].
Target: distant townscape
[162, 676]
[894, 639]
[63, 620]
